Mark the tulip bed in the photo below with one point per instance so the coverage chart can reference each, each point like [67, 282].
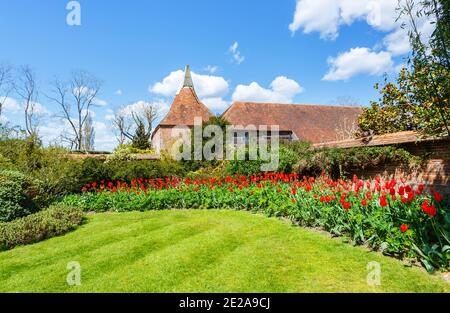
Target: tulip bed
[389, 216]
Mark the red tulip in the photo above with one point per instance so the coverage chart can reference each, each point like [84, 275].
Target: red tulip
[364, 202]
[403, 228]
[383, 202]
[410, 196]
[437, 196]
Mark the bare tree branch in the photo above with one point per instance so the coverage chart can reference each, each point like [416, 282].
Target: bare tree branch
[127, 118]
[75, 98]
[6, 84]
[26, 89]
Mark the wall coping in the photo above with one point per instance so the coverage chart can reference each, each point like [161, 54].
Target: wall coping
[379, 140]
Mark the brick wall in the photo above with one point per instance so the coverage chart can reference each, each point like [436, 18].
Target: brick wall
[434, 172]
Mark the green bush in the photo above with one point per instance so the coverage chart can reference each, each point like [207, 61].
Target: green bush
[54, 221]
[128, 170]
[19, 195]
[287, 159]
[339, 163]
[56, 172]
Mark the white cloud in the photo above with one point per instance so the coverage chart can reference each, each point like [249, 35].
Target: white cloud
[316, 16]
[89, 93]
[206, 86]
[397, 42]
[104, 137]
[52, 130]
[10, 105]
[237, 57]
[215, 103]
[99, 102]
[119, 92]
[139, 105]
[327, 16]
[358, 61]
[282, 90]
[211, 69]
[109, 117]
[91, 113]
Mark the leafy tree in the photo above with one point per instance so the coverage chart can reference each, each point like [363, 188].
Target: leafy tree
[141, 138]
[419, 100]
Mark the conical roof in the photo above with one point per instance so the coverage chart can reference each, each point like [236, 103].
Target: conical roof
[186, 105]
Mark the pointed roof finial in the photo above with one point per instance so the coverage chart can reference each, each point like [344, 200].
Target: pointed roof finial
[187, 78]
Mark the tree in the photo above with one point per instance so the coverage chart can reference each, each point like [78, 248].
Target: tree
[141, 138]
[135, 120]
[26, 89]
[6, 84]
[419, 100]
[75, 98]
[88, 134]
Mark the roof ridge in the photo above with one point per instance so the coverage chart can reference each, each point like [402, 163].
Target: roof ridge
[294, 104]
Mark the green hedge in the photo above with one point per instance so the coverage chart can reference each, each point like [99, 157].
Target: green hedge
[54, 221]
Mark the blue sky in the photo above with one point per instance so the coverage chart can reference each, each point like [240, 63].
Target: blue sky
[305, 51]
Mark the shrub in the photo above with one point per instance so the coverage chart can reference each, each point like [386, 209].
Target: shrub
[287, 159]
[339, 163]
[54, 221]
[52, 167]
[19, 195]
[125, 152]
[127, 170]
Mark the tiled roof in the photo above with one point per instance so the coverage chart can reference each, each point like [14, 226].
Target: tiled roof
[185, 107]
[313, 123]
[379, 140]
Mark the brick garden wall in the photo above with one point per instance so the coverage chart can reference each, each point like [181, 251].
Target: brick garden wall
[434, 172]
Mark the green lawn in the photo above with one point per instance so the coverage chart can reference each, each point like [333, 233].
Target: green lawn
[202, 251]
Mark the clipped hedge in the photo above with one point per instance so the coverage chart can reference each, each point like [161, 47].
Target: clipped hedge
[54, 221]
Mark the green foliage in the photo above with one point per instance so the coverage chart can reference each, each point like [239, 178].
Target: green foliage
[54, 221]
[19, 195]
[127, 152]
[287, 158]
[339, 163]
[127, 170]
[419, 100]
[53, 168]
[141, 138]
